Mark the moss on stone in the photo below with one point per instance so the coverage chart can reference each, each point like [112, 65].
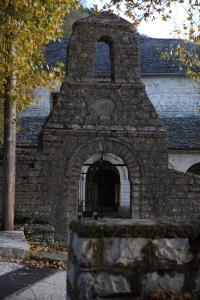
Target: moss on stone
[136, 229]
[99, 250]
[72, 292]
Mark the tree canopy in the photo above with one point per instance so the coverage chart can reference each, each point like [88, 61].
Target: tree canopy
[26, 26]
[74, 15]
[188, 50]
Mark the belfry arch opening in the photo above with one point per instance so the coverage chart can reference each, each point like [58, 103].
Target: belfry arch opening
[104, 187]
[104, 60]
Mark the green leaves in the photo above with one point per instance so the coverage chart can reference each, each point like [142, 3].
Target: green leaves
[188, 32]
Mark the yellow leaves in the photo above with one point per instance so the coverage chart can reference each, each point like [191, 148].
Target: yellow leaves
[30, 25]
[138, 10]
[77, 5]
[52, 75]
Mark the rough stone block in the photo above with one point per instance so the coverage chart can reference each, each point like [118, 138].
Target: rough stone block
[197, 283]
[173, 250]
[83, 249]
[153, 282]
[13, 244]
[103, 284]
[71, 273]
[124, 251]
[39, 233]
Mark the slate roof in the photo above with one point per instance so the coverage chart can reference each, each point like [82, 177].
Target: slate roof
[183, 132]
[28, 131]
[150, 60]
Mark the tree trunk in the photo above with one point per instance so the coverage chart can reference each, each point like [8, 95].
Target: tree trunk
[9, 158]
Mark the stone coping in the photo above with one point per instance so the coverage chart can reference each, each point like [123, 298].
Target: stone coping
[145, 228]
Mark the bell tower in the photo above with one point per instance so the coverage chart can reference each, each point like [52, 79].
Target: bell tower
[105, 116]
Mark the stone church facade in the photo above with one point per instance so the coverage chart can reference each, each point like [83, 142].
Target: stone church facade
[103, 149]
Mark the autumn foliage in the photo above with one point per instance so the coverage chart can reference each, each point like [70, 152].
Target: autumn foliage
[188, 49]
[28, 25]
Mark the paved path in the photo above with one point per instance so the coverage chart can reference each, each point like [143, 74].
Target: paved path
[19, 282]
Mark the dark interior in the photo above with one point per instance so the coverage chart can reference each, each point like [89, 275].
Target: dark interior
[102, 187]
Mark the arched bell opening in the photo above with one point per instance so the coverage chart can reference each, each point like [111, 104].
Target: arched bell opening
[104, 60]
[104, 188]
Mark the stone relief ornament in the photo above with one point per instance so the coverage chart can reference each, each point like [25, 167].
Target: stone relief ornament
[104, 108]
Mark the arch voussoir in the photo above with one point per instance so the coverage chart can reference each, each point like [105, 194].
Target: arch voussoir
[107, 145]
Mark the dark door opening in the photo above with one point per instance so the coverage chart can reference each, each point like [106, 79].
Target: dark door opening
[195, 169]
[102, 188]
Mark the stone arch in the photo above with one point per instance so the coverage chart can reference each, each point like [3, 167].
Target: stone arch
[113, 159]
[104, 64]
[107, 145]
[194, 169]
[124, 192]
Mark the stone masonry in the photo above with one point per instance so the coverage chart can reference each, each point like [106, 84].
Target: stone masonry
[126, 259]
[94, 115]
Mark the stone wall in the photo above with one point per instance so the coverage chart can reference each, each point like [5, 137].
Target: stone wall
[125, 259]
[42, 196]
[39, 233]
[32, 204]
[183, 194]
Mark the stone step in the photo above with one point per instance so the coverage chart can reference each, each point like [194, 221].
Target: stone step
[49, 256]
[13, 244]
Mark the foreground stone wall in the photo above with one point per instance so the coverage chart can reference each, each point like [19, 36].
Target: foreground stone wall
[123, 259]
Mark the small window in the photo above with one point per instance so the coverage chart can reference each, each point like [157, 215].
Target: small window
[103, 62]
[54, 100]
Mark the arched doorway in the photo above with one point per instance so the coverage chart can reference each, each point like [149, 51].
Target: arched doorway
[194, 169]
[102, 188]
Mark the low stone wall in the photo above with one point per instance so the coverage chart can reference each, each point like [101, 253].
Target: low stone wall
[122, 259]
[39, 233]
